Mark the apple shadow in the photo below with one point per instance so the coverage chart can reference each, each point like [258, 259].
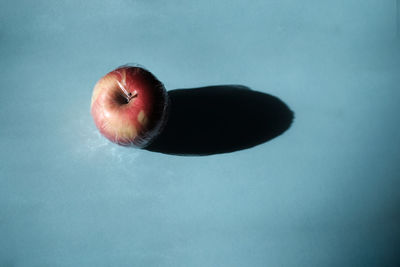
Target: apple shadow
[220, 119]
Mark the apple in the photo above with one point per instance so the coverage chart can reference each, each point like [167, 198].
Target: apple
[129, 106]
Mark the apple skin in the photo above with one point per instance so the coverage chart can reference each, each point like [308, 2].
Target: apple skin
[133, 119]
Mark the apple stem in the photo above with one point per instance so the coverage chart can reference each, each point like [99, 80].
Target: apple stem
[128, 95]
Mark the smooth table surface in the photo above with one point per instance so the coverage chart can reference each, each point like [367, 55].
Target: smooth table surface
[324, 193]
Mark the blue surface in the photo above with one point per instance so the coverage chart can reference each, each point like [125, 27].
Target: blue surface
[325, 193]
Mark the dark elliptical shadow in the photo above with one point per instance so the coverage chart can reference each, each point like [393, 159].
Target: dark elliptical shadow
[220, 119]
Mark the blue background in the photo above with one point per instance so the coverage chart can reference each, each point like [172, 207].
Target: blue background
[325, 193]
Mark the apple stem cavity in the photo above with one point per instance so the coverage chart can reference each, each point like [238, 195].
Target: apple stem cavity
[128, 95]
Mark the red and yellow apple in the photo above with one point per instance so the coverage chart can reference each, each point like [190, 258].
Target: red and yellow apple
[129, 106]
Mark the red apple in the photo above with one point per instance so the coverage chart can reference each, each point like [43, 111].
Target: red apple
[129, 106]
